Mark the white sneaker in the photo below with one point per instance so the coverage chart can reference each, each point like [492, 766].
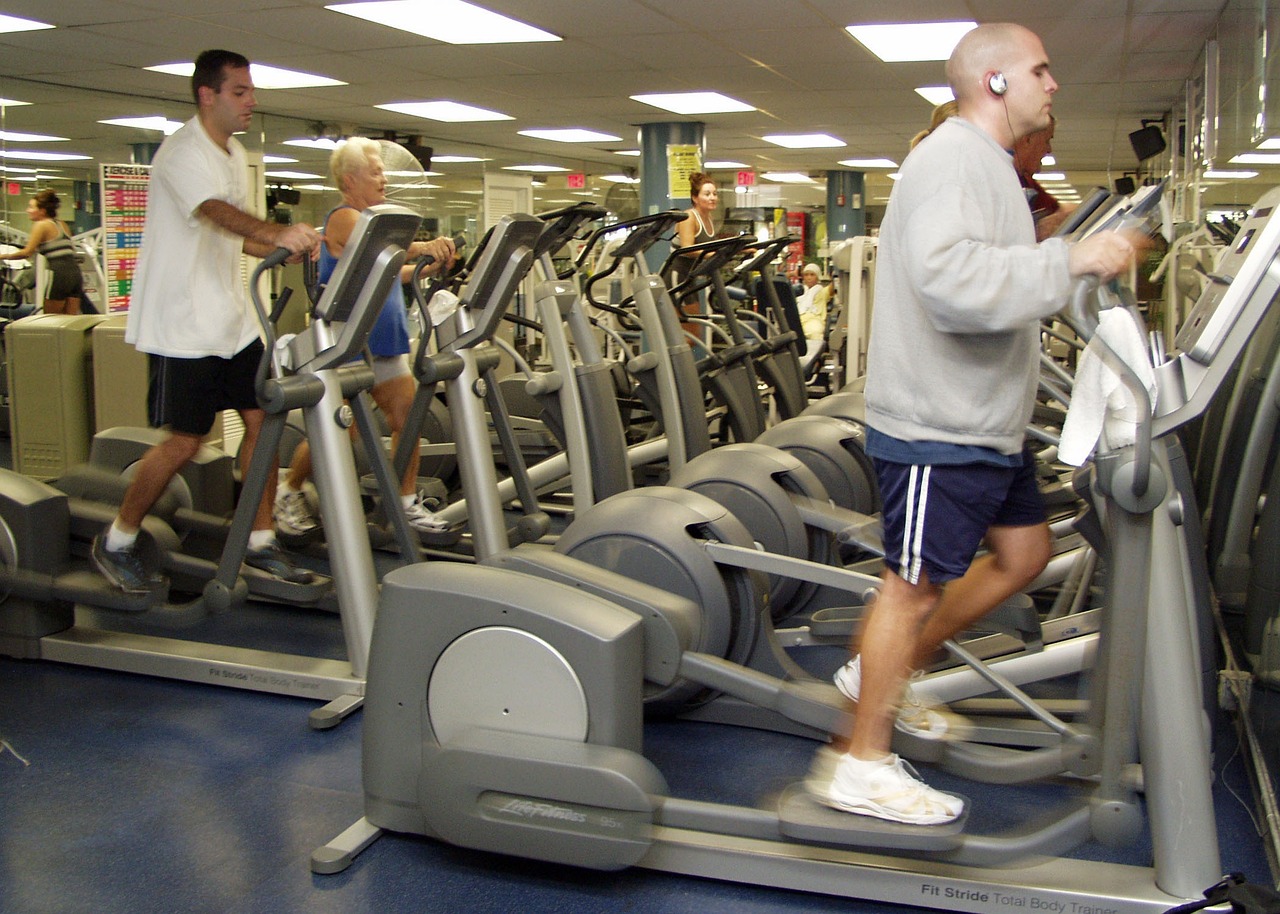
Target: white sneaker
[292, 513]
[914, 716]
[821, 771]
[888, 789]
[422, 520]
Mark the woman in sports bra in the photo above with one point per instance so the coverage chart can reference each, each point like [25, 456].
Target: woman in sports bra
[699, 227]
[51, 239]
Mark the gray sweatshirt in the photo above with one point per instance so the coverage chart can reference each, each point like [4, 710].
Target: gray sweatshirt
[961, 286]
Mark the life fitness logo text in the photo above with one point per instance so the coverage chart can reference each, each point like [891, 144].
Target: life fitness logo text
[527, 809]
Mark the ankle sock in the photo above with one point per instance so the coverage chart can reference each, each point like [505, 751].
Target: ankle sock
[118, 540]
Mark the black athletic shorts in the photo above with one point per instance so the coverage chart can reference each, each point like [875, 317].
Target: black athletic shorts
[187, 394]
[935, 516]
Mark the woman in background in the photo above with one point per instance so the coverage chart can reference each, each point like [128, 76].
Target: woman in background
[51, 239]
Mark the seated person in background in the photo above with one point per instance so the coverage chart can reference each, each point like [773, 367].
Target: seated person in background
[358, 172]
[812, 304]
[1047, 211]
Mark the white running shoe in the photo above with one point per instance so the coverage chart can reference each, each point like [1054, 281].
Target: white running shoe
[292, 513]
[888, 789]
[914, 716]
[422, 520]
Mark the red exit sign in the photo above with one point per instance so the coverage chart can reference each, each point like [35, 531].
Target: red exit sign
[746, 179]
[576, 181]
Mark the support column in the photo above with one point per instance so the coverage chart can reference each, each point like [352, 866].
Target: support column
[846, 205]
[142, 153]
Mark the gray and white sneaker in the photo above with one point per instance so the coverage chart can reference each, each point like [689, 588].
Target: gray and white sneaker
[888, 789]
[915, 716]
[423, 520]
[292, 513]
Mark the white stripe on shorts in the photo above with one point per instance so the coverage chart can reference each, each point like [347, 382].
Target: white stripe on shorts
[913, 529]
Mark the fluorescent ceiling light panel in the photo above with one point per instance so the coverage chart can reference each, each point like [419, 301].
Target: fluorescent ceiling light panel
[620, 179]
[450, 21]
[11, 103]
[15, 137]
[308, 142]
[911, 40]
[23, 155]
[868, 163]
[634, 153]
[18, 24]
[16, 169]
[295, 175]
[277, 160]
[936, 95]
[264, 77]
[450, 112]
[693, 102]
[803, 140]
[155, 122]
[725, 165]
[1049, 176]
[1227, 174]
[1048, 160]
[787, 177]
[571, 135]
[1272, 142]
[1256, 158]
[450, 160]
[533, 168]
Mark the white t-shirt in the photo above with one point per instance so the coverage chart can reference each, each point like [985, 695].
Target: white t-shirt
[188, 299]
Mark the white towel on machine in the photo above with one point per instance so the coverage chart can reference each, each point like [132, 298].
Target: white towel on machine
[1101, 406]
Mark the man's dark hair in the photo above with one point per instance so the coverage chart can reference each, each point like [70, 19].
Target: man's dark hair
[211, 70]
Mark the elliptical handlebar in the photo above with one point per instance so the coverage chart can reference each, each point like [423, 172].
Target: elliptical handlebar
[767, 251]
[644, 231]
[563, 224]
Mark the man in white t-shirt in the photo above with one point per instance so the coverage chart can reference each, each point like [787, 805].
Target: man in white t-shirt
[190, 310]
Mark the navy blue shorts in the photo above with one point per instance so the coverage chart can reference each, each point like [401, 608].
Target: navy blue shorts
[187, 394]
[936, 515]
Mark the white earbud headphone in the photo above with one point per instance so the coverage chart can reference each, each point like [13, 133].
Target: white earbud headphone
[998, 84]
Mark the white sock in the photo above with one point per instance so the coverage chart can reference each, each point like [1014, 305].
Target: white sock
[261, 539]
[118, 540]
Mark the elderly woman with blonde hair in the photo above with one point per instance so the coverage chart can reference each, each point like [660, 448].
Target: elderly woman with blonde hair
[357, 169]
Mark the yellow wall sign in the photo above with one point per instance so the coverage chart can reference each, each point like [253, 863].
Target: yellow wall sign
[683, 160]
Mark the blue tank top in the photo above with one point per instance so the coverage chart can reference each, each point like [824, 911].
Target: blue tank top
[390, 334]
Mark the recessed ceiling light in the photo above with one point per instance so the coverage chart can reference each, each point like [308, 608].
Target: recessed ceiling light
[725, 165]
[620, 179]
[15, 137]
[450, 21]
[538, 169]
[1256, 158]
[1048, 160]
[11, 103]
[936, 95]
[23, 155]
[16, 169]
[693, 102]
[1049, 176]
[18, 24]
[319, 187]
[155, 122]
[295, 175]
[787, 177]
[311, 142]
[450, 160]
[450, 112]
[571, 135]
[1227, 174]
[634, 153]
[264, 76]
[911, 40]
[1272, 142]
[277, 160]
[804, 140]
[868, 163]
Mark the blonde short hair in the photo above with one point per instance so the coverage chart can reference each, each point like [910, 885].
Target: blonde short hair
[351, 156]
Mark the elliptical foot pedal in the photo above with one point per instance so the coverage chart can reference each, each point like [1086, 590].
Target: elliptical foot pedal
[802, 817]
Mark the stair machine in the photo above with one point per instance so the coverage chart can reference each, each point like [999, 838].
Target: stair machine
[505, 713]
[312, 371]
